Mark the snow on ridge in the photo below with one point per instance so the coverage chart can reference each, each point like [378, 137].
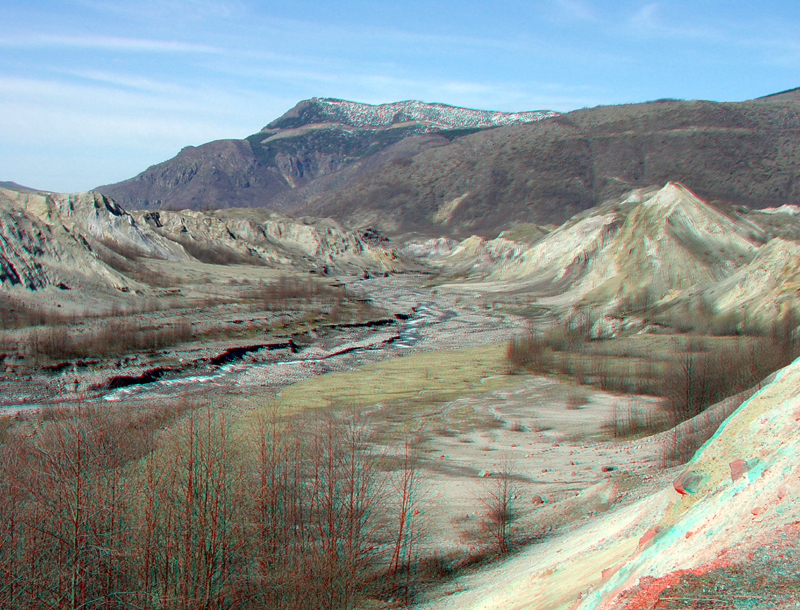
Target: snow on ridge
[784, 209]
[368, 115]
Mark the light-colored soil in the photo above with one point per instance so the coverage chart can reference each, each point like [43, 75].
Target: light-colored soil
[436, 377]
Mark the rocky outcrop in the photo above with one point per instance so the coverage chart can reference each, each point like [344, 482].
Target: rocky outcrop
[266, 237]
[662, 247]
[55, 241]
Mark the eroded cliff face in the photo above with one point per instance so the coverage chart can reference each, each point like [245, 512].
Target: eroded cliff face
[83, 247]
[57, 241]
[664, 248]
[265, 237]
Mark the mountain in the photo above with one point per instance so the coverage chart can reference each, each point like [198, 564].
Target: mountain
[14, 186]
[316, 147]
[788, 95]
[743, 153]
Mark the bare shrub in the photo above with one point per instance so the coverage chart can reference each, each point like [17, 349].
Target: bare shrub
[693, 378]
[530, 352]
[69, 543]
[14, 313]
[113, 337]
[494, 531]
[191, 538]
[630, 421]
[319, 524]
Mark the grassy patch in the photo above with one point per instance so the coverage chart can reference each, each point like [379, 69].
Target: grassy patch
[406, 383]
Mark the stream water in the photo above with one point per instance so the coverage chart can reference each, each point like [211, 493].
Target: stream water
[429, 322]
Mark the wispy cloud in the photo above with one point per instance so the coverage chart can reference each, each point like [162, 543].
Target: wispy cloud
[53, 108]
[576, 10]
[107, 43]
[650, 21]
[129, 81]
[148, 9]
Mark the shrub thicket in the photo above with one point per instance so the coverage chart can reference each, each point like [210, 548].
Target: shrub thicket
[689, 380]
[299, 517]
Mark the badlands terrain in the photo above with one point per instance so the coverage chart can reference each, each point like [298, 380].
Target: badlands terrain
[589, 403]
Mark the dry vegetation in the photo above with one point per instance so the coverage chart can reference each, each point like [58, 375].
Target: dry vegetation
[691, 374]
[154, 508]
[53, 336]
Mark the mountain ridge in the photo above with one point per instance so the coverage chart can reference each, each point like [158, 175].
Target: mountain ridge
[316, 147]
[741, 153]
[366, 116]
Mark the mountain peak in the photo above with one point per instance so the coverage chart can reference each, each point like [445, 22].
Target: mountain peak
[672, 195]
[374, 116]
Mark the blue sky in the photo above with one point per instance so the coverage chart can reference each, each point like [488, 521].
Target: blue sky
[95, 91]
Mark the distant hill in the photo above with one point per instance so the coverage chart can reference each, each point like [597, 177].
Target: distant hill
[745, 153]
[783, 96]
[316, 147]
[14, 186]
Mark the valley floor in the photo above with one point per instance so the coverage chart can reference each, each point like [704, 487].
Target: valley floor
[430, 371]
[424, 369]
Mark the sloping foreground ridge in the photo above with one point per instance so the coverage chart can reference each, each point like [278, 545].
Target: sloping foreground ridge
[735, 500]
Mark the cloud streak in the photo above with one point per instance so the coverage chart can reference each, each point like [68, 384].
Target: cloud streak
[132, 45]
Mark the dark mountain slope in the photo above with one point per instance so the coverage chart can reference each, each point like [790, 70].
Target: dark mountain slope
[318, 145]
[782, 96]
[741, 153]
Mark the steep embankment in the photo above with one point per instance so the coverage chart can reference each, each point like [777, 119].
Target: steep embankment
[764, 288]
[654, 247]
[669, 242]
[723, 531]
[64, 242]
[82, 249]
[261, 236]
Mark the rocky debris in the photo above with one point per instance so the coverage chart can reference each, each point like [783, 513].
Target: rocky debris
[373, 237]
[434, 247]
[766, 286]
[686, 483]
[738, 469]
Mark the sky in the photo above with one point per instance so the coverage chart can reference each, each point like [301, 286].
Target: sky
[95, 91]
